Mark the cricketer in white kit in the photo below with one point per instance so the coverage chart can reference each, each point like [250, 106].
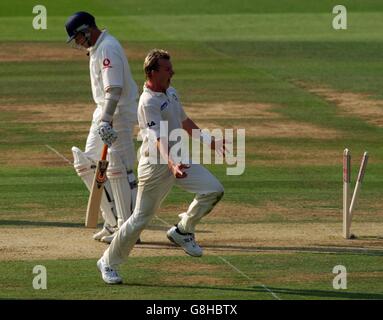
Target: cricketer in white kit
[115, 94]
[159, 102]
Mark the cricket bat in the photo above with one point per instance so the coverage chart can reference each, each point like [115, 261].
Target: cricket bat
[95, 196]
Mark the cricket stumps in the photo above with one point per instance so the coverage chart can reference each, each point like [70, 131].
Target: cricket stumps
[348, 202]
[346, 192]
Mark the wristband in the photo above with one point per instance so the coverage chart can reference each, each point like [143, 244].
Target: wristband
[205, 138]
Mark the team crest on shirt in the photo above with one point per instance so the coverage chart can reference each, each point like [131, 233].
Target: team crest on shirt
[164, 105]
[106, 63]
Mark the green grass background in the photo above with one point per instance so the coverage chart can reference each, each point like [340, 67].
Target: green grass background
[239, 51]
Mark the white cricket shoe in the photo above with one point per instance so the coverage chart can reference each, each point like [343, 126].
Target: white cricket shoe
[185, 241]
[108, 238]
[104, 232]
[109, 275]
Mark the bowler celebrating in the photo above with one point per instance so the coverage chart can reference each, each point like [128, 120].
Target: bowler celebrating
[159, 103]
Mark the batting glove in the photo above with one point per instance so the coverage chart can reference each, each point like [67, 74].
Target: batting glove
[107, 133]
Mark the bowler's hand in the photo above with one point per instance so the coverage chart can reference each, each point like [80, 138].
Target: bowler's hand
[178, 170]
[219, 146]
[107, 133]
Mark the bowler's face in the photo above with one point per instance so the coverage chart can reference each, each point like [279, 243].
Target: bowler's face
[164, 74]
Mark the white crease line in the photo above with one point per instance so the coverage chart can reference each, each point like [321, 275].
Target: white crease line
[234, 267]
[59, 154]
[247, 277]
[163, 221]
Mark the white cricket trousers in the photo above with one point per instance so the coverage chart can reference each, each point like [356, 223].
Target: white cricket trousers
[123, 124]
[154, 183]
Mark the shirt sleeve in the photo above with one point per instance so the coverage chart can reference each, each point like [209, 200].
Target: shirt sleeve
[182, 113]
[112, 68]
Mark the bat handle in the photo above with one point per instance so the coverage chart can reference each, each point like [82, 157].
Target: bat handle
[104, 152]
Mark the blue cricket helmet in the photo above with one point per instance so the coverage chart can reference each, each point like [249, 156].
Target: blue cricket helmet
[78, 22]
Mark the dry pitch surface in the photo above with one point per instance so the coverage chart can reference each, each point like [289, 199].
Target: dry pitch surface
[225, 230]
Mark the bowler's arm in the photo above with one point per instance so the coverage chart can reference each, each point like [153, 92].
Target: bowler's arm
[189, 125]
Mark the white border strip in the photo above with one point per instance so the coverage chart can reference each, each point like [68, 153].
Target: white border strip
[247, 277]
[163, 221]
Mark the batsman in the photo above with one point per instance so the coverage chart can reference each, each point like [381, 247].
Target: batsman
[115, 95]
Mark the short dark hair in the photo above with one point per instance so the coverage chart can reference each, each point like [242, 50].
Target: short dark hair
[152, 60]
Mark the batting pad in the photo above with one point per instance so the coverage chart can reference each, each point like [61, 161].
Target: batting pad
[85, 171]
[119, 183]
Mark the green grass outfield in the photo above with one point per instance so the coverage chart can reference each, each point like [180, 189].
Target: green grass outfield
[285, 279]
[223, 51]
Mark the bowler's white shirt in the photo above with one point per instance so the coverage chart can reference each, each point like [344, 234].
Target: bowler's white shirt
[109, 67]
[154, 107]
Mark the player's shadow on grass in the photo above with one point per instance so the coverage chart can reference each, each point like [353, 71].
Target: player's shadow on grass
[41, 223]
[155, 245]
[69, 224]
[327, 249]
[191, 287]
[323, 293]
[296, 292]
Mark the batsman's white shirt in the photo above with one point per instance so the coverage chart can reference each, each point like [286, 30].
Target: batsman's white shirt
[109, 67]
